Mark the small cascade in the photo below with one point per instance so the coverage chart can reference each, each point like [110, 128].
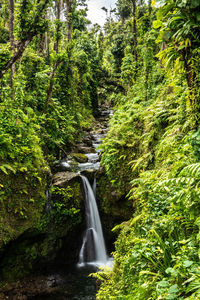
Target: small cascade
[94, 187]
[93, 250]
[48, 201]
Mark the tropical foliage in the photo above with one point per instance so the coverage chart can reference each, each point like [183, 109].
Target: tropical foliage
[54, 72]
[48, 97]
[151, 154]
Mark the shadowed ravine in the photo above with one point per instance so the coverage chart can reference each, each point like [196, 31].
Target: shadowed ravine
[75, 283]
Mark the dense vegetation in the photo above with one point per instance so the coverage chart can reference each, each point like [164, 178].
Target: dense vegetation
[49, 66]
[146, 65]
[152, 151]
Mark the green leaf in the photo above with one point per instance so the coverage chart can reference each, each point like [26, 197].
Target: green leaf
[4, 169]
[198, 16]
[173, 289]
[157, 24]
[163, 284]
[187, 263]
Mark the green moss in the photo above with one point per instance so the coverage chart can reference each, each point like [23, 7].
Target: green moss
[28, 235]
[66, 203]
[39, 237]
[81, 158]
[23, 200]
[113, 203]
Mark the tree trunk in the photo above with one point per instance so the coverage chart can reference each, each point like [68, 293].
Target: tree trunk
[28, 36]
[59, 7]
[69, 5]
[56, 64]
[11, 22]
[134, 30]
[50, 90]
[42, 43]
[191, 76]
[21, 47]
[149, 7]
[11, 38]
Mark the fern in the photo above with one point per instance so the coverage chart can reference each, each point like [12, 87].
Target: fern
[5, 167]
[193, 170]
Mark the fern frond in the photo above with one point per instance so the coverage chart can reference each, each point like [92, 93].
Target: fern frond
[193, 170]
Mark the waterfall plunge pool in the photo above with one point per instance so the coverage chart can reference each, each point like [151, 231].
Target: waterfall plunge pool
[75, 285]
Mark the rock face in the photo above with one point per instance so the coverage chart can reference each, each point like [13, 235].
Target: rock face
[63, 179]
[55, 229]
[31, 286]
[115, 207]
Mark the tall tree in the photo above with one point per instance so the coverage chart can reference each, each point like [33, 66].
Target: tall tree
[123, 10]
[56, 47]
[30, 27]
[134, 30]
[69, 6]
[11, 38]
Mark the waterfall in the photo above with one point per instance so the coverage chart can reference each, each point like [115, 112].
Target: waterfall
[94, 187]
[48, 201]
[93, 250]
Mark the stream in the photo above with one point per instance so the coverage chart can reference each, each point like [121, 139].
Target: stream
[75, 283]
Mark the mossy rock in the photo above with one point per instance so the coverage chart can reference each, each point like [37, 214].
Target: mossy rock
[64, 179]
[114, 203]
[23, 201]
[81, 158]
[32, 237]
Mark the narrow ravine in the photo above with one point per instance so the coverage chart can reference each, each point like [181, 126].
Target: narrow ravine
[73, 282]
[76, 284]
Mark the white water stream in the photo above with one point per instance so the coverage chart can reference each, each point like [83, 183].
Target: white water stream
[93, 250]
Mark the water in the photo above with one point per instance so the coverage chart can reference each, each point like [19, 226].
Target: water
[66, 164]
[88, 166]
[92, 157]
[94, 187]
[48, 201]
[93, 250]
[76, 285]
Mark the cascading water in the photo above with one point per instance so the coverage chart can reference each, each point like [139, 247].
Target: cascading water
[94, 187]
[93, 250]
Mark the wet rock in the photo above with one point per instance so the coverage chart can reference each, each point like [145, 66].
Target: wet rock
[79, 157]
[90, 174]
[84, 149]
[62, 179]
[31, 287]
[53, 281]
[60, 166]
[99, 131]
[87, 141]
[67, 164]
[2, 296]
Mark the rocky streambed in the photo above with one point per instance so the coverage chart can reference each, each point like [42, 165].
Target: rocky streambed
[50, 253]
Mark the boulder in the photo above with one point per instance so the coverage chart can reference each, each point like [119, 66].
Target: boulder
[64, 165]
[63, 179]
[81, 158]
[84, 149]
[88, 141]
